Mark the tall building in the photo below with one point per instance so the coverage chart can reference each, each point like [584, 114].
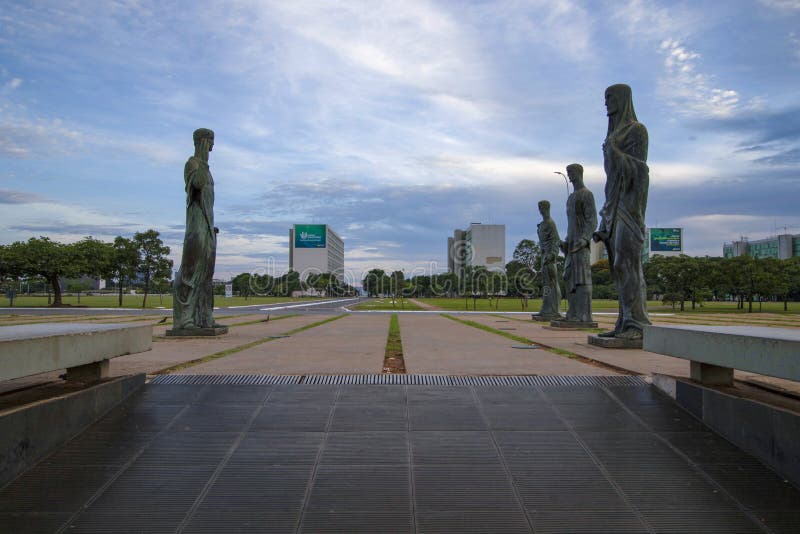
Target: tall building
[480, 245]
[315, 249]
[782, 246]
[658, 241]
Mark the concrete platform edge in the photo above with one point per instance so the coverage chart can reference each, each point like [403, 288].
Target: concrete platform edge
[31, 432]
[769, 433]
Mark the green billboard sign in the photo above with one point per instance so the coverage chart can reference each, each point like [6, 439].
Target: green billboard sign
[309, 236]
[666, 239]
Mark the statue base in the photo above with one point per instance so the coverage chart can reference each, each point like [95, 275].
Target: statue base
[544, 318]
[615, 342]
[572, 325]
[195, 332]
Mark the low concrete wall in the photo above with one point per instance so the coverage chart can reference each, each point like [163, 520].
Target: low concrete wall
[769, 433]
[40, 348]
[29, 433]
[758, 349]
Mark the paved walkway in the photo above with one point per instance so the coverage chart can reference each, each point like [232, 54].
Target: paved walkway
[353, 344]
[435, 345]
[638, 361]
[410, 459]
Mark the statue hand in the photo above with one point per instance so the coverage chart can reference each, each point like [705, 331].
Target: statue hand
[216, 230]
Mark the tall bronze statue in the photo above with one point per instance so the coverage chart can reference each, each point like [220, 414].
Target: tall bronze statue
[549, 243]
[581, 223]
[622, 226]
[193, 302]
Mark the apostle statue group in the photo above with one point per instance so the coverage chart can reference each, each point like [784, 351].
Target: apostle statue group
[621, 229]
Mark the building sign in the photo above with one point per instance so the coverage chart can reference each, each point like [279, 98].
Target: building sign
[666, 239]
[309, 236]
[228, 291]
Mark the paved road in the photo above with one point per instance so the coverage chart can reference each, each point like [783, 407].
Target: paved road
[322, 307]
[304, 458]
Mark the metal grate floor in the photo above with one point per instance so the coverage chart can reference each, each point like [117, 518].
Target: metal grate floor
[267, 456]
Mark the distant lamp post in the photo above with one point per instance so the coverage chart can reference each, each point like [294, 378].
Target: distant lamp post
[566, 180]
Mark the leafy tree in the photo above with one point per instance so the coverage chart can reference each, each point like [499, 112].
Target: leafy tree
[396, 287]
[376, 282]
[242, 285]
[529, 254]
[42, 257]
[153, 261]
[124, 262]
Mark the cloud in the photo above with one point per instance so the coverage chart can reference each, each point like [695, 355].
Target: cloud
[13, 84]
[691, 91]
[8, 196]
[782, 5]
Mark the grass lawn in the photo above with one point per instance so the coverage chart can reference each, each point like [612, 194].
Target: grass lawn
[386, 304]
[135, 301]
[514, 304]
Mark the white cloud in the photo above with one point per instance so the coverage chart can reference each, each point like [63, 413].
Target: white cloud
[13, 84]
[782, 5]
[692, 92]
[794, 42]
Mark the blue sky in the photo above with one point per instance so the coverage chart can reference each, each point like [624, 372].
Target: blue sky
[394, 122]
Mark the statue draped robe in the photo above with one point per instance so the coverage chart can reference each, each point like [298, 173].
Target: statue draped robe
[582, 221]
[549, 243]
[194, 297]
[622, 219]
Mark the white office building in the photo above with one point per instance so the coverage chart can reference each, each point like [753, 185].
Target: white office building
[480, 245]
[316, 249]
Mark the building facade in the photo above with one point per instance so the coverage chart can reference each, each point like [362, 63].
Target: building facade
[782, 247]
[316, 249]
[480, 245]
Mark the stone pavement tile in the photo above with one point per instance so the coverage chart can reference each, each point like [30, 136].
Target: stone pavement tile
[436, 345]
[172, 351]
[638, 361]
[351, 345]
[575, 341]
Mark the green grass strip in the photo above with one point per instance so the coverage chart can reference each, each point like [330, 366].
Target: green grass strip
[393, 355]
[554, 350]
[234, 350]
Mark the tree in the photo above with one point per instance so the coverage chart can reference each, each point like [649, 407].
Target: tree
[153, 261]
[376, 282]
[43, 257]
[124, 262]
[396, 286]
[242, 285]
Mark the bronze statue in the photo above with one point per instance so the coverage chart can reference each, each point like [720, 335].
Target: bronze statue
[193, 302]
[581, 222]
[549, 243]
[622, 226]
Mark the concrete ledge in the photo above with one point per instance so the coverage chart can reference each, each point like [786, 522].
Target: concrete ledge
[40, 348]
[32, 431]
[758, 349]
[769, 433]
[572, 325]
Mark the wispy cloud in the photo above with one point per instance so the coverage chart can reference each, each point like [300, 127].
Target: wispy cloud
[691, 91]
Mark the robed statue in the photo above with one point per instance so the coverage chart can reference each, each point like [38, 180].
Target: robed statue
[622, 226]
[549, 243]
[581, 223]
[193, 302]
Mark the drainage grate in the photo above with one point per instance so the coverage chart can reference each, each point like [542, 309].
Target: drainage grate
[409, 380]
[228, 380]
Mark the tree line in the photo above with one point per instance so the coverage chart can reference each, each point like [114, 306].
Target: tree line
[144, 256]
[264, 285]
[672, 279]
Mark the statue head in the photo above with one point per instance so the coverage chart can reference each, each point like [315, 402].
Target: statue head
[544, 208]
[619, 106]
[203, 140]
[575, 174]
